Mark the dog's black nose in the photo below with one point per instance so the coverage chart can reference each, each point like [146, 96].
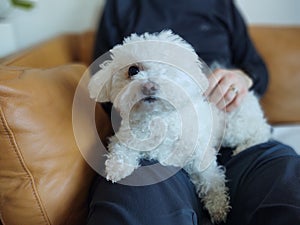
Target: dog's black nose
[150, 88]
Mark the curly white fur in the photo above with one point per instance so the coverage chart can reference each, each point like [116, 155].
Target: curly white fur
[176, 125]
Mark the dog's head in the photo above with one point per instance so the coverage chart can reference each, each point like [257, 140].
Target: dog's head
[150, 69]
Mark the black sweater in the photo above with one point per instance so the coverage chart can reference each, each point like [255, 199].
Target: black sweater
[214, 28]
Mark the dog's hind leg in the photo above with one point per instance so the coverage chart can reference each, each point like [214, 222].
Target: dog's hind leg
[211, 188]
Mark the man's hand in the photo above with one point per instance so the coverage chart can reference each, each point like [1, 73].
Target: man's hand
[227, 88]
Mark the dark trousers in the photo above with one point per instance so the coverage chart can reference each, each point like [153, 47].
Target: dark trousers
[264, 184]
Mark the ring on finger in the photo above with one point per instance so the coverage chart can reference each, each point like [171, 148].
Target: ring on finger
[234, 89]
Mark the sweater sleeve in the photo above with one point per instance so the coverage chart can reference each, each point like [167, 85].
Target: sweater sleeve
[244, 54]
[109, 32]
[107, 36]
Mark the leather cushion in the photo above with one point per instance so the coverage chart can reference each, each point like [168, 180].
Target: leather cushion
[43, 177]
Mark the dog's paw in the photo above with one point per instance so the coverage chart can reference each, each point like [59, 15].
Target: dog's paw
[116, 170]
[217, 205]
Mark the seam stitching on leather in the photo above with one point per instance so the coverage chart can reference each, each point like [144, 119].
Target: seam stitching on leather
[16, 148]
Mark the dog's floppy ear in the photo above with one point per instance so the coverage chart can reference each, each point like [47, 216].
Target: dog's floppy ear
[98, 86]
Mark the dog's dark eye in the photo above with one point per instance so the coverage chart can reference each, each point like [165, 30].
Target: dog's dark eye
[133, 70]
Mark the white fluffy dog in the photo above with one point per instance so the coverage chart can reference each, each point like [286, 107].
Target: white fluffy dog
[156, 82]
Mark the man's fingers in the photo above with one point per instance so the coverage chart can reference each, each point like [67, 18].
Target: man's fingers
[214, 80]
[227, 98]
[234, 104]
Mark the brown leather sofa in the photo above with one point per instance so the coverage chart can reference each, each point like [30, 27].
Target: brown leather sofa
[43, 177]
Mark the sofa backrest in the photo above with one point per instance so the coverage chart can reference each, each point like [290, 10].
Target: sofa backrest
[280, 48]
[61, 50]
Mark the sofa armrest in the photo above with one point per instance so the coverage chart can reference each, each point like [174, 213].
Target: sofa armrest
[44, 178]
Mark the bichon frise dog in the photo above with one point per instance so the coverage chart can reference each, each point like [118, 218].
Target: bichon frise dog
[157, 83]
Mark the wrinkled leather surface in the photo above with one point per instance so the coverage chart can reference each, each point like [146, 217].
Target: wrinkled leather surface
[43, 177]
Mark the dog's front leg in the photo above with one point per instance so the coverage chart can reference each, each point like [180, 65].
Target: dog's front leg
[121, 162]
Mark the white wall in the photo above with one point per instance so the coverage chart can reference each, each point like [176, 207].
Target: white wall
[274, 12]
[21, 29]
